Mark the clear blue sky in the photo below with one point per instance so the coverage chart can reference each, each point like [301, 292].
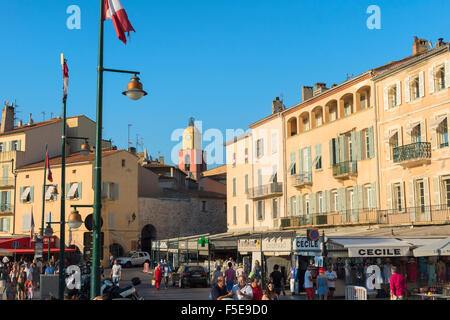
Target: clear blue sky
[221, 62]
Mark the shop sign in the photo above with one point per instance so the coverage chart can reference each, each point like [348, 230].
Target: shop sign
[303, 244]
[249, 245]
[379, 252]
[277, 244]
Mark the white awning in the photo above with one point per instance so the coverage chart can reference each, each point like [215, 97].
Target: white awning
[436, 122]
[373, 247]
[437, 248]
[72, 190]
[25, 194]
[390, 135]
[51, 190]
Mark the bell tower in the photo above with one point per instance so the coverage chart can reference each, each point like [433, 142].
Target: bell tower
[192, 159]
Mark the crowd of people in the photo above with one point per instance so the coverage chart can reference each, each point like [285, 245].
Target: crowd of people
[22, 277]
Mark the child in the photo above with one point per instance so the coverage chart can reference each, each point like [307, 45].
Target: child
[29, 289]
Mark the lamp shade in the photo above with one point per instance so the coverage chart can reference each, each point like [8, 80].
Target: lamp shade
[85, 149]
[74, 221]
[134, 89]
[48, 232]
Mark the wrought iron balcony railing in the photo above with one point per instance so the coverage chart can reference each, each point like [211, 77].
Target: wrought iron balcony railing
[5, 208]
[346, 168]
[301, 179]
[411, 152]
[265, 191]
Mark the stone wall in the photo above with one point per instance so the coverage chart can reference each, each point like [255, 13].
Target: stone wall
[178, 217]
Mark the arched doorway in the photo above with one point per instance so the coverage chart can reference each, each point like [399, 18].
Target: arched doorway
[148, 235]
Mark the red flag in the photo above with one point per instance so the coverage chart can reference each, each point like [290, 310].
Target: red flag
[66, 80]
[115, 11]
[47, 166]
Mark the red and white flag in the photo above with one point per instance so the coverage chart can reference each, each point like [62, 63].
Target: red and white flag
[47, 166]
[31, 226]
[66, 79]
[115, 11]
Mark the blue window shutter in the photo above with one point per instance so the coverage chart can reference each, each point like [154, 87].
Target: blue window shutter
[358, 145]
[8, 197]
[328, 193]
[353, 137]
[300, 161]
[344, 204]
[263, 211]
[301, 204]
[79, 190]
[342, 148]
[371, 146]
[67, 191]
[21, 192]
[309, 159]
[6, 224]
[374, 197]
[31, 194]
[336, 150]
[338, 200]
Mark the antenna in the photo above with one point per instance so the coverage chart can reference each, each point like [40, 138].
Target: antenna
[43, 115]
[129, 142]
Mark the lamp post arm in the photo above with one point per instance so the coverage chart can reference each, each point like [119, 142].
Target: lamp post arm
[120, 71]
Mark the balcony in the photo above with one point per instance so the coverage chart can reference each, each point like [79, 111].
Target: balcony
[6, 182]
[266, 191]
[6, 208]
[345, 170]
[423, 214]
[413, 154]
[302, 179]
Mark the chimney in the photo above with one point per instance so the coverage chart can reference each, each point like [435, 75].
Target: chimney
[19, 123]
[334, 85]
[277, 105]
[307, 93]
[320, 87]
[420, 45]
[7, 118]
[161, 160]
[132, 150]
[30, 122]
[440, 43]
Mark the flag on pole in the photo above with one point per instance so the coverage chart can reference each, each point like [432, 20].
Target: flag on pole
[47, 166]
[65, 77]
[31, 226]
[115, 11]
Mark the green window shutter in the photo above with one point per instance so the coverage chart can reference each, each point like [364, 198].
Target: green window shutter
[10, 146]
[289, 207]
[104, 189]
[246, 182]
[371, 146]
[342, 148]
[79, 191]
[336, 150]
[338, 200]
[374, 197]
[328, 192]
[297, 205]
[300, 161]
[263, 211]
[234, 186]
[361, 198]
[116, 195]
[21, 191]
[309, 159]
[331, 152]
[358, 145]
[353, 137]
[67, 191]
[344, 204]
[6, 224]
[19, 145]
[1, 197]
[259, 177]
[31, 194]
[301, 204]
[313, 203]
[8, 197]
[271, 209]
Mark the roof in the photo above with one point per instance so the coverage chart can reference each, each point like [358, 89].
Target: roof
[437, 248]
[73, 158]
[215, 171]
[35, 125]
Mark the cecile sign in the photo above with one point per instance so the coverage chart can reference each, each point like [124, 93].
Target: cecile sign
[378, 252]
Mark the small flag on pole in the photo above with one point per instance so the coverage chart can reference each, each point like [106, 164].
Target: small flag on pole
[47, 166]
[115, 11]
[65, 77]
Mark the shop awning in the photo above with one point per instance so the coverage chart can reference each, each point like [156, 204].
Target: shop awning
[437, 248]
[371, 247]
[31, 251]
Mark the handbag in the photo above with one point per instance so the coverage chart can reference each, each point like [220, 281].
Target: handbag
[153, 282]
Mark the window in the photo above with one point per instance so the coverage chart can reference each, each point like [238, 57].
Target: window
[317, 163]
[247, 214]
[203, 206]
[15, 145]
[305, 124]
[393, 143]
[26, 222]
[274, 143]
[415, 88]
[74, 192]
[318, 119]
[416, 134]
[123, 163]
[246, 183]
[350, 147]
[440, 78]
[397, 197]
[51, 193]
[187, 162]
[367, 143]
[26, 194]
[4, 224]
[392, 96]
[368, 195]
[234, 216]
[333, 114]
[442, 134]
[274, 208]
[446, 185]
[420, 191]
[350, 201]
[246, 155]
[234, 160]
[2, 147]
[260, 210]
[347, 109]
[307, 204]
[259, 148]
[362, 101]
[234, 187]
[320, 205]
[110, 190]
[334, 201]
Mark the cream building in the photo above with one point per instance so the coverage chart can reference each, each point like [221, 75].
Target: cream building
[413, 113]
[119, 198]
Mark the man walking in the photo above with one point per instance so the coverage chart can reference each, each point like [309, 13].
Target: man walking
[166, 274]
[116, 272]
[293, 276]
[332, 277]
[397, 285]
[309, 284]
[230, 276]
[277, 278]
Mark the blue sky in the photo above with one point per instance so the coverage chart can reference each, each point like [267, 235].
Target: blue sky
[221, 62]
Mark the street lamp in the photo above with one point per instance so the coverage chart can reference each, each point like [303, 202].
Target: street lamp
[134, 89]
[85, 149]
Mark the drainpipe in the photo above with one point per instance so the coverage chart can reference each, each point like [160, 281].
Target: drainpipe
[377, 154]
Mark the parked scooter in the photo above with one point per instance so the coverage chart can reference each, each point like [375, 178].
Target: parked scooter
[115, 292]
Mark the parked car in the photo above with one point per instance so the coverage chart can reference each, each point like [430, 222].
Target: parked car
[134, 258]
[190, 275]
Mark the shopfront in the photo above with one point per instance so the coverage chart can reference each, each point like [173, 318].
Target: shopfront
[307, 252]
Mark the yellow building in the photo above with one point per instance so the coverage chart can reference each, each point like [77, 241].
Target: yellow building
[119, 198]
[413, 113]
[24, 144]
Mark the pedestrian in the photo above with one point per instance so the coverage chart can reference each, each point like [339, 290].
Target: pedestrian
[257, 269]
[242, 291]
[230, 276]
[397, 285]
[29, 289]
[50, 270]
[240, 270]
[217, 273]
[158, 275]
[309, 283]
[276, 278]
[5, 260]
[166, 274]
[270, 293]
[256, 288]
[116, 273]
[293, 276]
[219, 290]
[21, 279]
[332, 277]
[36, 275]
[322, 284]
[111, 260]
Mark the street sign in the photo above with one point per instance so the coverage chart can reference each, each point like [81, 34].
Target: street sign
[313, 234]
[89, 223]
[38, 249]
